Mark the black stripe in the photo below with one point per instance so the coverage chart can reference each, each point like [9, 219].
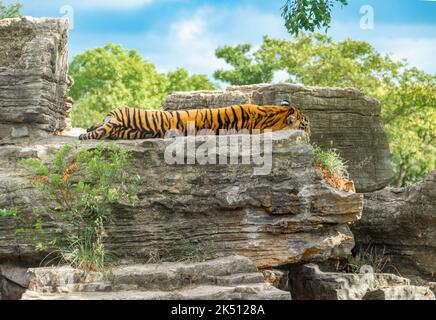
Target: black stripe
[146, 121]
[220, 122]
[153, 118]
[140, 119]
[128, 117]
[235, 118]
[135, 123]
[162, 123]
[118, 115]
[227, 118]
[178, 121]
[242, 117]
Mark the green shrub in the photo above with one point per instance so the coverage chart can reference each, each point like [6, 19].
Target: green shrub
[82, 188]
[331, 161]
[370, 256]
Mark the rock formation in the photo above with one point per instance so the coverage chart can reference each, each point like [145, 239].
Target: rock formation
[286, 216]
[225, 278]
[343, 119]
[403, 221]
[33, 77]
[308, 282]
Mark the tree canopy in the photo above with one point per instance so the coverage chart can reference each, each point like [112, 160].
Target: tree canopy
[10, 11]
[246, 69]
[110, 77]
[407, 95]
[308, 15]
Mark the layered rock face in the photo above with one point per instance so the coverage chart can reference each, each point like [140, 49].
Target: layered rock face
[33, 77]
[343, 119]
[403, 221]
[286, 216]
[226, 278]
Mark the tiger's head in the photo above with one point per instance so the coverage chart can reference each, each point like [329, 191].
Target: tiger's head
[296, 119]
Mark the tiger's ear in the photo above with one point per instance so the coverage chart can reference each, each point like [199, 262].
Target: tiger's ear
[285, 103]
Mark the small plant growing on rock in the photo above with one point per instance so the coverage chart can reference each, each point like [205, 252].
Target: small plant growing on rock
[371, 256]
[81, 189]
[333, 167]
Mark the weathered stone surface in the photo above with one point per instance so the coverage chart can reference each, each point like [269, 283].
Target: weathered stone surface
[13, 282]
[226, 278]
[279, 278]
[33, 77]
[288, 216]
[308, 282]
[403, 221]
[343, 119]
[400, 293]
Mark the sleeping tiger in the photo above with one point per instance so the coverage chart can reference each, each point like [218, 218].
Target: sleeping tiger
[130, 123]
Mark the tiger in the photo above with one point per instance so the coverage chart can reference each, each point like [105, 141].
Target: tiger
[133, 123]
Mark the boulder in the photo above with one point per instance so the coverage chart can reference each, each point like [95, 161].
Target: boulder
[287, 216]
[13, 281]
[231, 277]
[400, 293]
[308, 282]
[402, 221]
[33, 77]
[343, 119]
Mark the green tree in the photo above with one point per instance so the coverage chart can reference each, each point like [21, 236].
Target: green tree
[110, 77]
[10, 11]
[409, 113]
[308, 15]
[407, 95]
[180, 80]
[247, 69]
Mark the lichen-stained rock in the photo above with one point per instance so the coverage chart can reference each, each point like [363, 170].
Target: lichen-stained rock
[286, 216]
[343, 119]
[403, 222]
[33, 77]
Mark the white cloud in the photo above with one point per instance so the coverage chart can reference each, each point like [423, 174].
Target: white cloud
[419, 52]
[191, 41]
[415, 43]
[280, 76]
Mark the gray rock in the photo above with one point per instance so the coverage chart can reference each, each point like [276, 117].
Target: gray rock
[13, 282]
[403, 222]
[400, 293]
[224, 278]
[19, 132]
[278, 278]
[343, 119]
[432, 287]
[33, 76]
[308, 282]
[288, 216]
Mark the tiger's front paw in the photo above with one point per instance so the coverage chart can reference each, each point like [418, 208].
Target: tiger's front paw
[83, 136]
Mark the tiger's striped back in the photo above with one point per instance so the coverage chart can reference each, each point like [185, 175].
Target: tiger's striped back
[131, 123]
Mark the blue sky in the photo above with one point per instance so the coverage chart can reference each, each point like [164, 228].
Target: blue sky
[185, 33]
